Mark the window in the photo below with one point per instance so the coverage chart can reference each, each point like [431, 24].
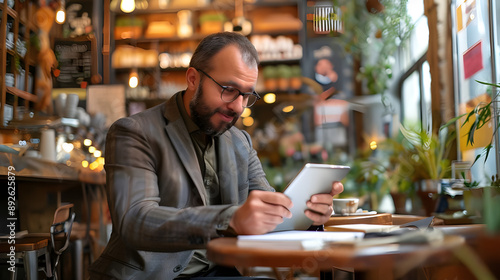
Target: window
[414, 84]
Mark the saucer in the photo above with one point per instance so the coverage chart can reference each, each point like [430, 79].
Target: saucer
[364, 213]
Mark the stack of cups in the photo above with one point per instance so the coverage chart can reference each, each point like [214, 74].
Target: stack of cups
[66, 105]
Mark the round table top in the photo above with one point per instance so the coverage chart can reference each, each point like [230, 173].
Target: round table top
[225, 251]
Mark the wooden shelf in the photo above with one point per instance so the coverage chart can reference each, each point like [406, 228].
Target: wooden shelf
[11, 12]
[176, 44]
[175, 10]
[20, 17]
[23, 94]
[10, 51]
[195, 37]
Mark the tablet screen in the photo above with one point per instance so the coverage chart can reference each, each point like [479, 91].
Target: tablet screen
[313, 178]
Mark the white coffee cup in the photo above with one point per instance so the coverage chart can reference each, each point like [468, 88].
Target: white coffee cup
[71, 105]
[60, 104]
[48, 145]
[345, 205]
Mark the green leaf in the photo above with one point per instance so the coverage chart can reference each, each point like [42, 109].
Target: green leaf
[488, 84]
[477, 157]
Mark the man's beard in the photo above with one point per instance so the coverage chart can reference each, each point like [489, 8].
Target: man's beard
[201, 115]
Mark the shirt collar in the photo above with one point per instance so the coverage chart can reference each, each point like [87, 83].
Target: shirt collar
[193, 129]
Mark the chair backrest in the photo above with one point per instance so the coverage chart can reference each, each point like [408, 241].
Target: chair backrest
[62, 213]
[61, 226]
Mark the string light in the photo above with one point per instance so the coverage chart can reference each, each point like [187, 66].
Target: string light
[246, 112]
[87, 142]
[100, 160]
[97, 153]
[288, 109]
[68, 147]
[248, 121]
[270, 98]
[94, 165]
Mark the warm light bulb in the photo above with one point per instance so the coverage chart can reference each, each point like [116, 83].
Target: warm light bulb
[248, 121]
[246, 112]
[133, 81]
[270, 98]
[68, 147]
[61, 13]
[87, 142]
[94, 165]
[97, 153]
[85, 163]
[288, 109]
[127, 6]
[100, 160]
[60, 16]
[373, 145]
[92, 149]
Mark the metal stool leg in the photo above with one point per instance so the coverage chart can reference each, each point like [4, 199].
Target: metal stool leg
[48, 264]
[31, 265]
[78, 255]
[13, 275]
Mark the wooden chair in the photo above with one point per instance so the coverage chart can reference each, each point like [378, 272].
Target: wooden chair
[33, 250]
[61, 230]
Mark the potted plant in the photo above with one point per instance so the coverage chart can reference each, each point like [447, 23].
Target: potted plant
[398, 173]
[372, 32]
[477, 118]
[364, 181]
[380, 172]
[428, 154]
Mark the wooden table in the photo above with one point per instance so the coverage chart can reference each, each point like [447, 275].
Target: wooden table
[42, 186]
[379, 219]
[374, 262]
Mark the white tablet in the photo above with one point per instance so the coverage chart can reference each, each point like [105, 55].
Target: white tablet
[313, 178]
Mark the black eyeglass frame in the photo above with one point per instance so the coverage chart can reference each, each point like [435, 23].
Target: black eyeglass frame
[225, 88]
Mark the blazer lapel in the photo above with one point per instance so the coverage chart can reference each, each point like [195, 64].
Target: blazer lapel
[177, 132]
[227, 172]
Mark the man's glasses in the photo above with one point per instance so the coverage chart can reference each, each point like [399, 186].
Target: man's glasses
[229, 93]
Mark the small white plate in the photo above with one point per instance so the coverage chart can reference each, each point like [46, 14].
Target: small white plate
[356, 214]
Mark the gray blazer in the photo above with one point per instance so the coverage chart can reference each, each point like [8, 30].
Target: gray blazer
[157, 198]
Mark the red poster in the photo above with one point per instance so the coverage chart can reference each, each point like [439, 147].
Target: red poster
[473, 60]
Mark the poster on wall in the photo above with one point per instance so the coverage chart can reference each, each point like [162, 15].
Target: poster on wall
[74, 57]
[473, 60]
[326, 64]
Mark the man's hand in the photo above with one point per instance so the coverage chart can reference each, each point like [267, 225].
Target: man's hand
[261, 212]
[321, 205]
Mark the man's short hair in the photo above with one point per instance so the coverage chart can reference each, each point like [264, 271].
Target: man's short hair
[213, 43]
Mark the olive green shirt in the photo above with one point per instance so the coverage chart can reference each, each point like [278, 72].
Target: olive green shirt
[205, 152]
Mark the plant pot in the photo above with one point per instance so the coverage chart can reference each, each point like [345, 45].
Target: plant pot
[400, 203]
[473, 201]
[491, 209]
[428, 193]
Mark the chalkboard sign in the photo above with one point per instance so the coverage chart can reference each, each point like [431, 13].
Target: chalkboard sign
[75, 62]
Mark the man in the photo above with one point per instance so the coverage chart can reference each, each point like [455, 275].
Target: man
[179, 174]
